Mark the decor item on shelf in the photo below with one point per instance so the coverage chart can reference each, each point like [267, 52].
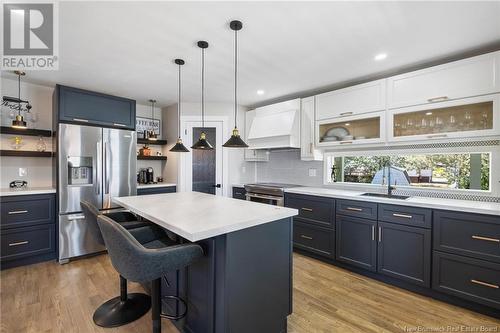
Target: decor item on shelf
[202, 143]
[158, 153]
[336, 133]
[159, 179]
[19, 121]
[145, 151]
[179, 146]
[17, 142]
[235, 141]
[18, 184]
[40, 145]
[151, 134]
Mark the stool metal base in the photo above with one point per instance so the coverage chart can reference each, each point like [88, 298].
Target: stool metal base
[117, 312]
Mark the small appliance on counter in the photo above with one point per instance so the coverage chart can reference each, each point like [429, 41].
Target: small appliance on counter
[146, 176]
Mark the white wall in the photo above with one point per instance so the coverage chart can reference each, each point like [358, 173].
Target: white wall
[239, 170]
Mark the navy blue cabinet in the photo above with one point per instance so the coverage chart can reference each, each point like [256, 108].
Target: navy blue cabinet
[156, 190]
[28, 229]
[239, 193]
[80, 106]
[313, 210]
[314, 239]
[404, 253]
[355, 242]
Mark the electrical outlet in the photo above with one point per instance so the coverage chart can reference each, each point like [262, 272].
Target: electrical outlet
[312, 172]
[23, 172]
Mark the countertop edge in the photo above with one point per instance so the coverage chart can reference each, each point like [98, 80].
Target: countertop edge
[142, 186]
[7, 192]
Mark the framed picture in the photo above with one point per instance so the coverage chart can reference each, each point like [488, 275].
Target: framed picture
[146, 124]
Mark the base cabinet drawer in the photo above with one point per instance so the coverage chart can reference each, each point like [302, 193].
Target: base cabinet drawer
[28, 241]
[404, 253]
[367, 210]
[27, 210]
[412, 216]
[471, 279]
[355, 242]
[471, 235]
[315, 239]
[156, 190]
[317, 210]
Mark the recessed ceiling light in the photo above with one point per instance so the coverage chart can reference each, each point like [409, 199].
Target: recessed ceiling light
[380, 56]
[260, 92]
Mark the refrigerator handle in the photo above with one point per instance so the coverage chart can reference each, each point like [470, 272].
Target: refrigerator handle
[98, 167]
[106, 171]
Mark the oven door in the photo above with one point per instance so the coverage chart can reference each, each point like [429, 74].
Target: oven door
[265, 199]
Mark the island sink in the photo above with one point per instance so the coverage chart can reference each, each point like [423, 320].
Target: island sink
[383, 195]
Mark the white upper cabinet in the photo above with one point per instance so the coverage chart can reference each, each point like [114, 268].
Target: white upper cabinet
[362, 98]
[460, 79]
[308, 152]
[253, 155]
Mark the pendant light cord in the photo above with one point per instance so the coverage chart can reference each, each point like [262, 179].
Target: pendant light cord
[19, 94]
[203, 89]
[179, 104]
[235, 77]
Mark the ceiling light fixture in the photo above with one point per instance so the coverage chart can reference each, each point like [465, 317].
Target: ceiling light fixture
[19, 122]
[235, 141]
[202, 143]
[380, 56]
[179, 146]
[260, 92]
[151, 134]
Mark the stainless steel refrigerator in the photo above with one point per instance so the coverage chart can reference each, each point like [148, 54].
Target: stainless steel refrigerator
[94, 164]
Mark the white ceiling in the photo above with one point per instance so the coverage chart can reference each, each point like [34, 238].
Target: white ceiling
[127, 48]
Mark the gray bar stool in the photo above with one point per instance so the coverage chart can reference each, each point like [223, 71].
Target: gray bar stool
[127, 307]
[147, 262]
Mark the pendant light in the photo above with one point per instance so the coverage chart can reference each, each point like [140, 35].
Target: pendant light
[151, 134]
[235, 141]
[202, 143]
[19, 122]
[179, 146]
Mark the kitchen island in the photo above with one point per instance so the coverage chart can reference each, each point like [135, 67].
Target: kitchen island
[244, 282]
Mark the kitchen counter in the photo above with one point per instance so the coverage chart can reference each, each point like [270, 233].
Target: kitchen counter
[479, 207]
[139, 186]
[196, 216]
[26, 191]
[245, 244]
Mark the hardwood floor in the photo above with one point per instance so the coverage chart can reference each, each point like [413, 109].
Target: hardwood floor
[49, 297]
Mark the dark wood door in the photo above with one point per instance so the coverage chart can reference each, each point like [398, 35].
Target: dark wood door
[355, 242]
[204, 162]
[404, 253]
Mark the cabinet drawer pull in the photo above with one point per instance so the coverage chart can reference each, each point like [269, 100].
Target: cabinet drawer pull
[118, 124]
[238, 193]
[307, 209]
[489, 285]
[18, 243]
[306, 237]
[17, 212]
[402, 215]
[345, 142]
[437, 136]
[379, 234]
[355, 209]
[81, 119]
[346, 113]
[488, 239]
[437, 99]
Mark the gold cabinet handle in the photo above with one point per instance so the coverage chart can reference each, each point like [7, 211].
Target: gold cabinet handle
[486, 284]
[488, 239]
[18, 243]
[437, 99]
[17, 212]
[402, 215]
[355, 209]
[118, 124]
[306, 237]
[307, 209]
[345, 142]
[81, 119]
[345, 113]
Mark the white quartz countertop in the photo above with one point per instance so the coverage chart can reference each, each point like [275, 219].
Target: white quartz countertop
[155, 185]
[26, 191]
[196, 216]
[480, 207]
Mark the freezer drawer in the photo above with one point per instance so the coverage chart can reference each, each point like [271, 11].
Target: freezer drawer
[75, 238]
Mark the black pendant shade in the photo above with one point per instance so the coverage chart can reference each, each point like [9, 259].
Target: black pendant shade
[179, 146]
[151, 134]
[19, 122]
[202, 143]
[235, 141]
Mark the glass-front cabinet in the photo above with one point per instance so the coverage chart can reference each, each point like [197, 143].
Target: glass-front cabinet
[469, 117]
[368, 128]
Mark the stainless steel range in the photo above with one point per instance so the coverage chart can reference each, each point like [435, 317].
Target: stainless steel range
[268, 193]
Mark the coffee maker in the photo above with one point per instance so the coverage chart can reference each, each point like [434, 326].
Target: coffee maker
[150, 176]
[146, 176]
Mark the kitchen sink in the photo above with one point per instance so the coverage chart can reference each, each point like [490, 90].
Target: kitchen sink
[383, 195]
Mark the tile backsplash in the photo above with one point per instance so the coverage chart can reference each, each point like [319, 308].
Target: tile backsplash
[285, 166]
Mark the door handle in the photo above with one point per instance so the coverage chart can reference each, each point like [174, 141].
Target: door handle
[106, 171]
[379, 234]
[19, 243]
[17, 212]
[373, 232]
[98, 167]
[217, 185]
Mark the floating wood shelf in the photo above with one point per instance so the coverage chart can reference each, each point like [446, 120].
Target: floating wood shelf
[25, 153]
[153, 143]
[27, 131]
[152, 158]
